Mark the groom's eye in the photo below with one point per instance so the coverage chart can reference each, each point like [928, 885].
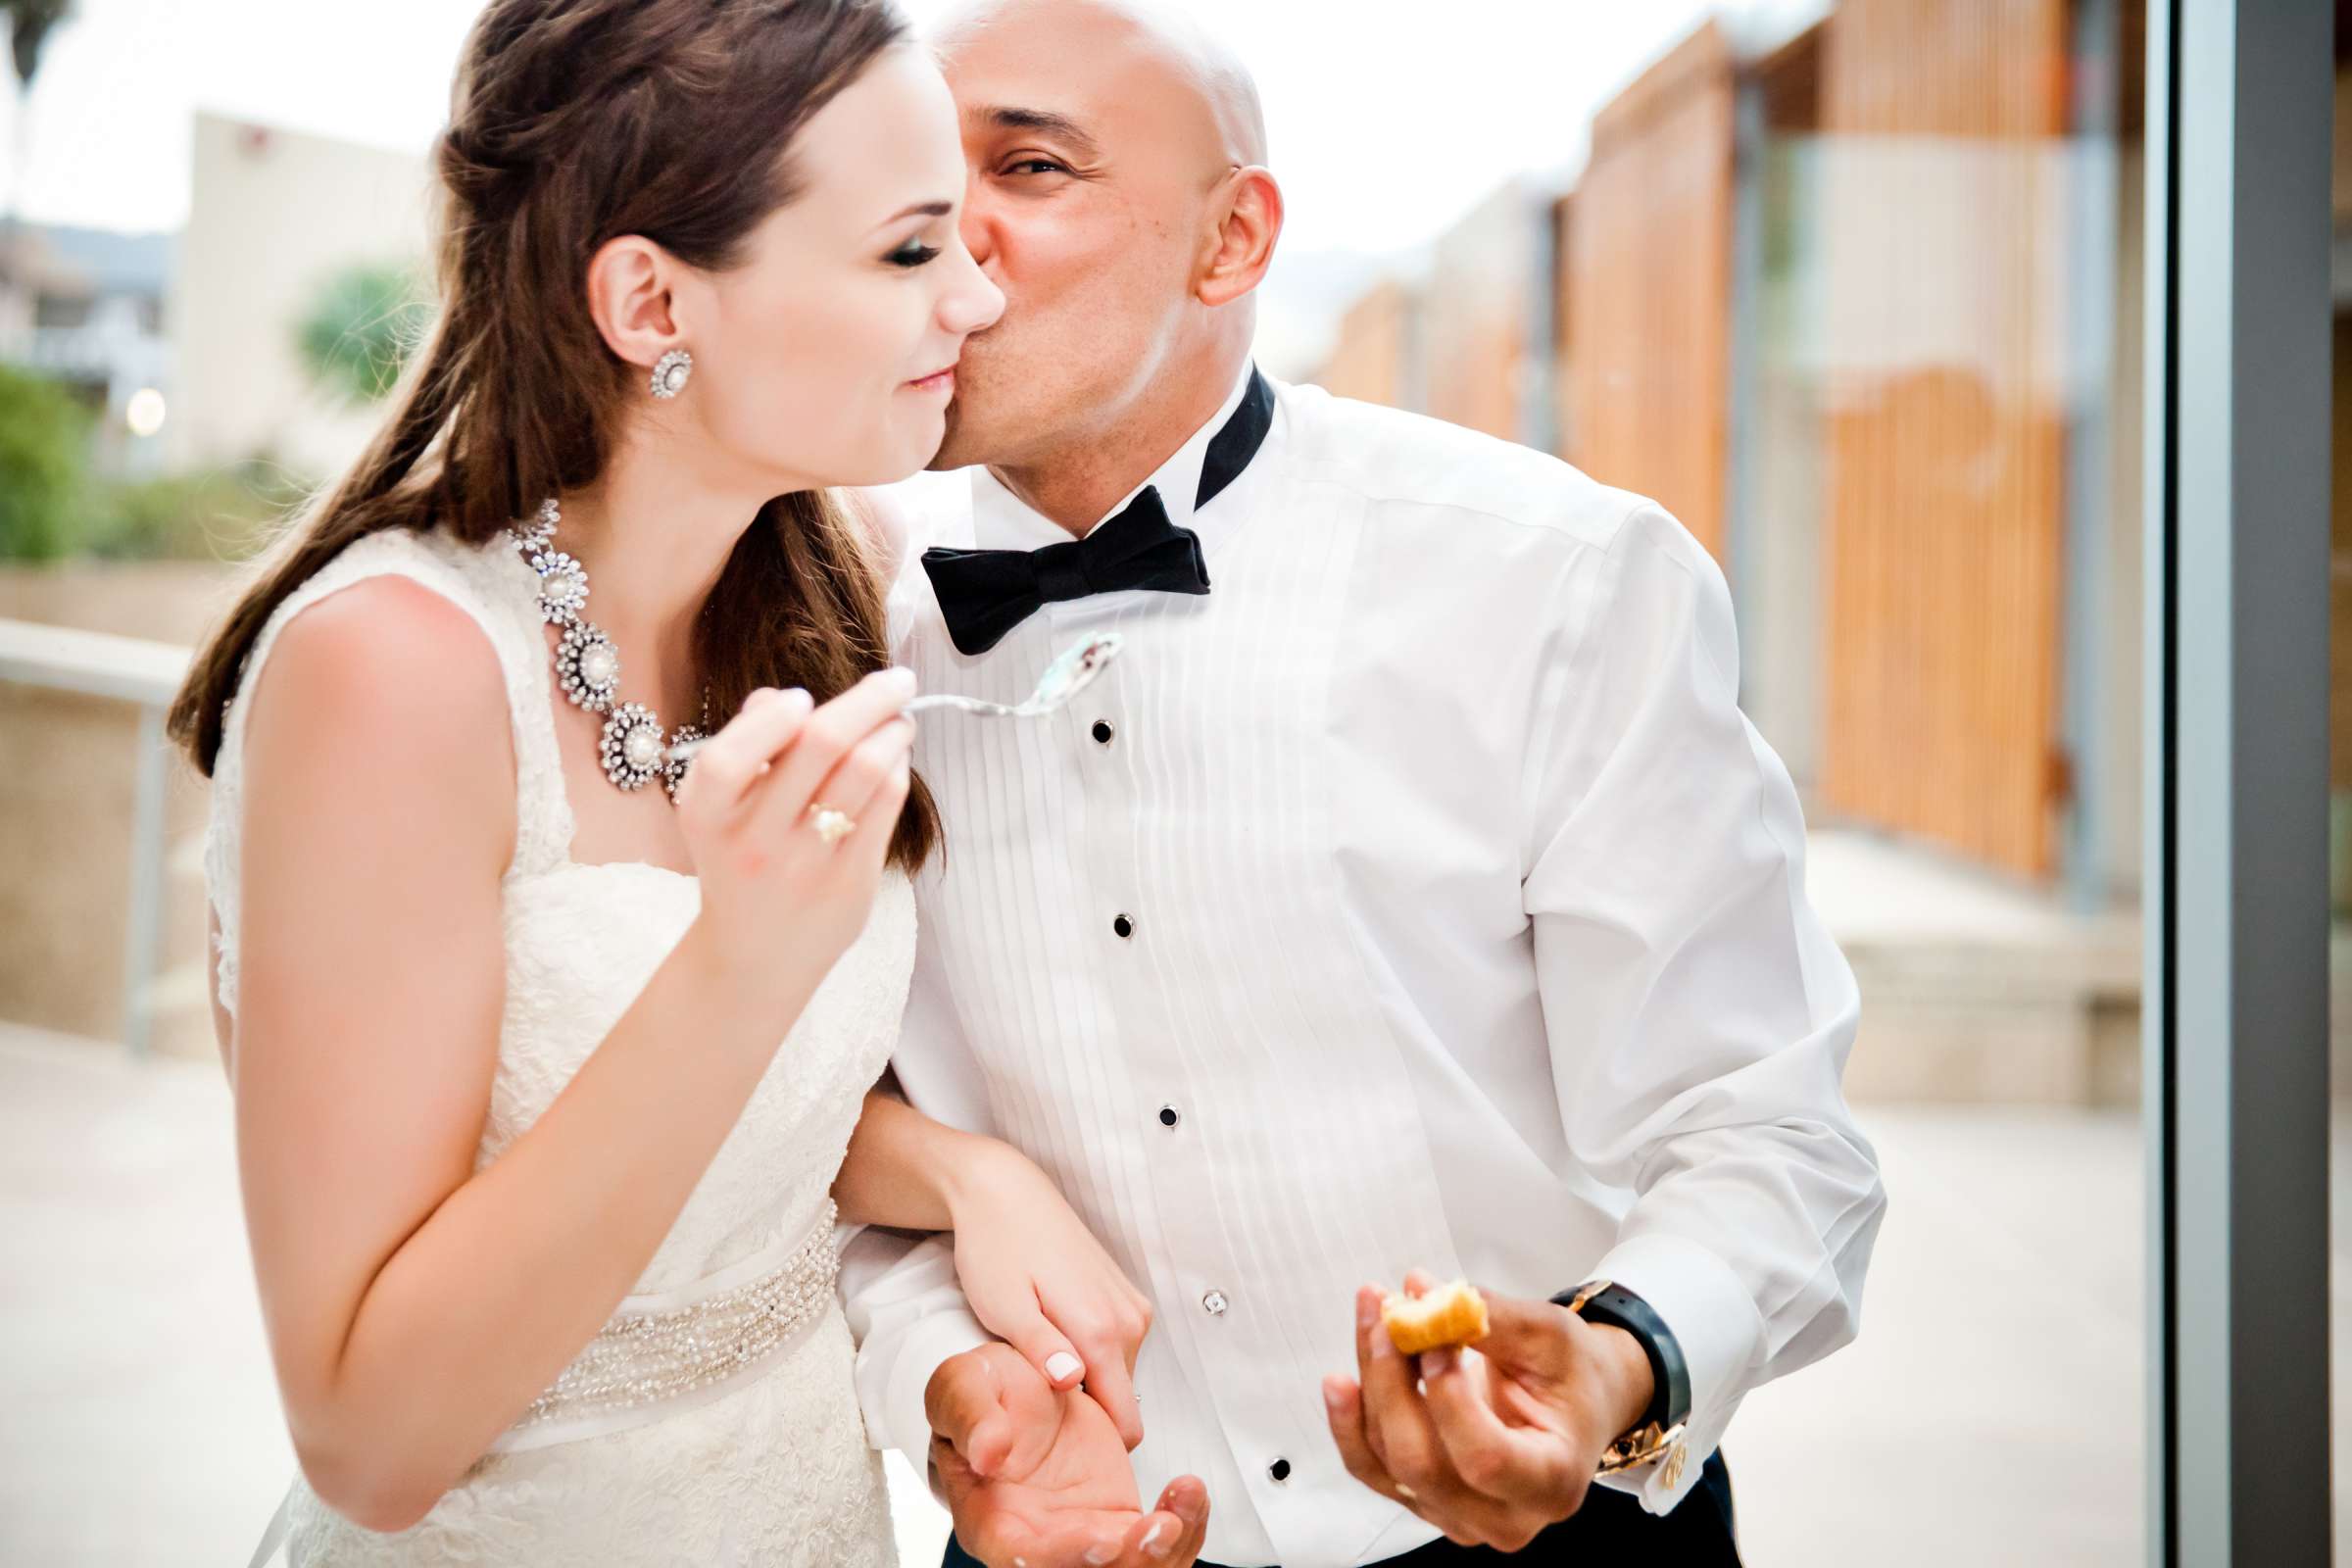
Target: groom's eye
[1028, 165]
[912, 254]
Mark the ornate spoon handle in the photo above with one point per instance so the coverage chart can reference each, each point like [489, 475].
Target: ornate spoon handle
[973, 705]
[1062, 680]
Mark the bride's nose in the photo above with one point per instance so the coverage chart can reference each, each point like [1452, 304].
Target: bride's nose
[971, 302]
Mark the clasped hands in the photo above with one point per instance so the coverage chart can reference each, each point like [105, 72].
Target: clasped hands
[1490, 1443]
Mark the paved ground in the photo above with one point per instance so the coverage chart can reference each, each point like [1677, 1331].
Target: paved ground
[1989, 1413]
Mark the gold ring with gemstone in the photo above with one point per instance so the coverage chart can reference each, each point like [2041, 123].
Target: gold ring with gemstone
[832, 826]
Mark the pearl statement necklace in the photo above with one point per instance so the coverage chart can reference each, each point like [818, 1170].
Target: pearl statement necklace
[588, 667]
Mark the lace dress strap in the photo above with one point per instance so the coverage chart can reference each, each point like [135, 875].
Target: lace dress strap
[494, 586]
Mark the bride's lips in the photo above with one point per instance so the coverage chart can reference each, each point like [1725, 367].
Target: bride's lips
[936, 381]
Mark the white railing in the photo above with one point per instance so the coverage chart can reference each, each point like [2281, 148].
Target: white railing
[146, 673]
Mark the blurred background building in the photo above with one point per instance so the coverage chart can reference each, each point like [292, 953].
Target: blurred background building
[1856, 296]
[83, 308]
[172, 397]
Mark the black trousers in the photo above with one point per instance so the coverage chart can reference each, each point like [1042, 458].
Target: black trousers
[1699, 1534]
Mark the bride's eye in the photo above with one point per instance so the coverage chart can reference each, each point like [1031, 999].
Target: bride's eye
[912, 254]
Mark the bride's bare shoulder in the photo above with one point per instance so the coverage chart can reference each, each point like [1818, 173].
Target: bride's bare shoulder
[384, 680]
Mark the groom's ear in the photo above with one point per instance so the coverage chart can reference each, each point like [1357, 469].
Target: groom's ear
[1243, 243]
[629, 298]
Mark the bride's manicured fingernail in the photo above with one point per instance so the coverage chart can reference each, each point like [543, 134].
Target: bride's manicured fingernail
[1062, 1364]
[1100, 1552]
[1151, 1540]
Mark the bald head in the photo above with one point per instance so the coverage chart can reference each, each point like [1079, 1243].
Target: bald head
[1180, 63]
[1118, 197]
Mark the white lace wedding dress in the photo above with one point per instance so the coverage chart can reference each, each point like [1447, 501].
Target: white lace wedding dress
[714, 1421]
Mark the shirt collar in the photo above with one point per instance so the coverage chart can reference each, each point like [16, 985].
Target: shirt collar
[1001, 521]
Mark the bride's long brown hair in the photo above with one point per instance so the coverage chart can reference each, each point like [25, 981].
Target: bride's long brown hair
[573, 123]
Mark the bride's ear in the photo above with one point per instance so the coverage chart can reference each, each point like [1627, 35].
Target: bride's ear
[630, 299]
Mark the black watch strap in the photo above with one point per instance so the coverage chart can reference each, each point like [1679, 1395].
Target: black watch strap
[1599, 1302]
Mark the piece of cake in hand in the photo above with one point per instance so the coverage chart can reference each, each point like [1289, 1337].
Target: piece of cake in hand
[1443, 1315]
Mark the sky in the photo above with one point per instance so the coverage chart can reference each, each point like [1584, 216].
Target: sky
[1385, 123]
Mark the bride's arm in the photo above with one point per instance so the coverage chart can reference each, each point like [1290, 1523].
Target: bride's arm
[903, 1166]
[1035, 1275]
[416, 1306]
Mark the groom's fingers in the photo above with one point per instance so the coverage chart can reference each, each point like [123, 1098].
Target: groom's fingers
[996, 1536]
[1185, 1503]
[1466, 1517]
[1345, 1406]
[1395, 1422]
[1491, 1459]
[966, 1409]
[1531, 1336]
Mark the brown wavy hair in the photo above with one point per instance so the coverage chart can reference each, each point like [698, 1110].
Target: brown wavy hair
[573, 123]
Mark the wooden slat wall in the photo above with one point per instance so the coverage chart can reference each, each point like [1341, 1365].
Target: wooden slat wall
[1647, 287]
[1944, 492]
[1368, 356]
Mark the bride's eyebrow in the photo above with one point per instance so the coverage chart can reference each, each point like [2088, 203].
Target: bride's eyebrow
[919, 210]
[1060, 127]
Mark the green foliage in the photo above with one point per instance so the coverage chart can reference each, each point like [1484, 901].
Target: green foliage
[211, 514]
[360, 329]
[44, 442]
[52, 508]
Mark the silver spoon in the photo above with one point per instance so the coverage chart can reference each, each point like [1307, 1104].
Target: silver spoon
[1064, 678]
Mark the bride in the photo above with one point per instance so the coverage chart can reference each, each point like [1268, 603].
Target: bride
[548, 1048]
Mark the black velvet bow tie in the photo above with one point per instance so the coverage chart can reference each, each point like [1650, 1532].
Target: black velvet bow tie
[985, 593]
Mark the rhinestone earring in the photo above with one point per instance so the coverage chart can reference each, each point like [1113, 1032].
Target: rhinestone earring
[671, 371]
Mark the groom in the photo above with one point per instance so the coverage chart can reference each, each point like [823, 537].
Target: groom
[1410, 895]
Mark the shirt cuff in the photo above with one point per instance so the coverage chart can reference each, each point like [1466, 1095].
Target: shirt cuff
[1714, 1320]
[895, 1415]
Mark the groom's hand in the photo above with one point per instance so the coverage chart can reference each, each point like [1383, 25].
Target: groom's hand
[1491, 1445]
[1041, 1479]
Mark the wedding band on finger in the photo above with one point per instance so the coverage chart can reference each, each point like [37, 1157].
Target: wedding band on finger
[832, 826]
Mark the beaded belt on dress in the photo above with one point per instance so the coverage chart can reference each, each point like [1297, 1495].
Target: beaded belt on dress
[644, 1358]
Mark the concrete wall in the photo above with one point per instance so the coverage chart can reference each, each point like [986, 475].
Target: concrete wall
[65, 815]
[273, 216]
